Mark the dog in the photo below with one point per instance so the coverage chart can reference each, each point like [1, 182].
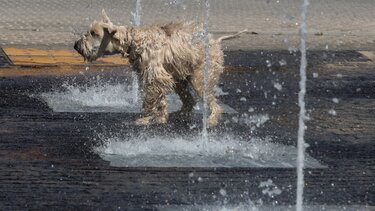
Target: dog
[166, 58]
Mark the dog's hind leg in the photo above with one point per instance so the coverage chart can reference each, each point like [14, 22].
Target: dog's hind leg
[182, 89]
[198, 85]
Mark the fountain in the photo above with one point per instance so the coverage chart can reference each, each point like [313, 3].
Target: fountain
[136, 19]
[237, 147]
[302, 113]
[205, 74]
[74, 140]
[227, 149]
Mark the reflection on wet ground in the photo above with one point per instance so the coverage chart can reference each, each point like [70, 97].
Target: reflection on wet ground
[55, 154]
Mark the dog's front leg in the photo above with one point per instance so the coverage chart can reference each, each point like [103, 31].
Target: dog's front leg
[156, 84]
[154, 107]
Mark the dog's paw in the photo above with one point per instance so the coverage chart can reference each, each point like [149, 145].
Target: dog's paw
[212, 122]
[143, 120]
[213, 119]
[151, 120]
[161, 120]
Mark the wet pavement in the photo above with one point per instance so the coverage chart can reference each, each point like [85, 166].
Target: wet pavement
[52, 148]
[48, 158]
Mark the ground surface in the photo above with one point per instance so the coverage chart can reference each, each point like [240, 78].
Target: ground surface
[46, 158]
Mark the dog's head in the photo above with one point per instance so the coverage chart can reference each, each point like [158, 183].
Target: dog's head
[99, 40]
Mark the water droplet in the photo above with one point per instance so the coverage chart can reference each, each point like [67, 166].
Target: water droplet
[278, 86]
[282, 62]
[335, 100]
[332, 112]
[223, 192]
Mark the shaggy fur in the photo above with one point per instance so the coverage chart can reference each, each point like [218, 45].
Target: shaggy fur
[166, 57]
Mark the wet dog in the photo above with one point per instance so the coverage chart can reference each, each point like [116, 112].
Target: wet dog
[166, 57]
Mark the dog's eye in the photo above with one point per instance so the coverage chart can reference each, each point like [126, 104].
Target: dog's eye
[93, 33]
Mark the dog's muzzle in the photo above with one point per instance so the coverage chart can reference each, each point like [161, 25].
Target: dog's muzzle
[85, 53]
[77, 47]
[80, 49]
[96, 52]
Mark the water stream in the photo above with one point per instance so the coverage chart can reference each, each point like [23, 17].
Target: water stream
[136, 19]
[205, 73]
[302, 113]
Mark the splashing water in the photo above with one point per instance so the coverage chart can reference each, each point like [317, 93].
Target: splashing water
[99, 97]
[181, 151]
[136, 19]
[302, 113]
[136, 16]
[205, 73]
[108, 97]
[135, 88]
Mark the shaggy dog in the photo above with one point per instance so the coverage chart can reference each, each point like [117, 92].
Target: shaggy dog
[166, 58]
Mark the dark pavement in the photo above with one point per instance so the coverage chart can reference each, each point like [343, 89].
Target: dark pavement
[47, 161]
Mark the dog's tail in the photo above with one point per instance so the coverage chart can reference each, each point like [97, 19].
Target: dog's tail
[227, 37]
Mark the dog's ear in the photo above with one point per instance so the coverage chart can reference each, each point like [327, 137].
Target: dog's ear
[107, 24]
[105, 17]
